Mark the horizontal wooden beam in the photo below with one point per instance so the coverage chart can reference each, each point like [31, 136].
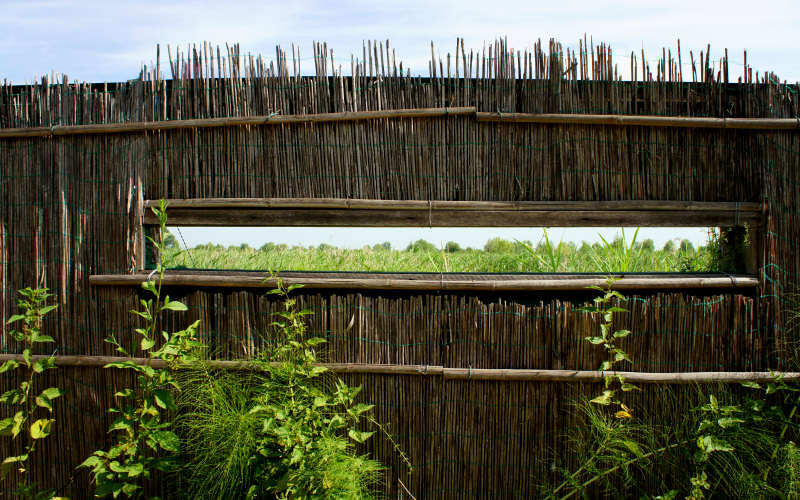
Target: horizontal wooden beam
[496, 374]
[643, 121]
[416, 213]
[275, 119]
[222, 279]
[272, 119]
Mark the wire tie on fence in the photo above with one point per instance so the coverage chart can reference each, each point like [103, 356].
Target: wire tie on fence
[469, 372]
[150, 276]
[426, 370]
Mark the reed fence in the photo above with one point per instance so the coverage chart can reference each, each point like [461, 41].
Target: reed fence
[548, 124]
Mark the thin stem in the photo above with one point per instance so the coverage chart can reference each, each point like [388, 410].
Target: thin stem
[624, 464]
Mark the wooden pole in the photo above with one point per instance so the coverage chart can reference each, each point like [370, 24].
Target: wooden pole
[643, 121]
[222, 279]
[579, 376]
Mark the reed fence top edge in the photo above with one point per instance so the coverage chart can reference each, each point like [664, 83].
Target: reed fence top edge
[547, 77]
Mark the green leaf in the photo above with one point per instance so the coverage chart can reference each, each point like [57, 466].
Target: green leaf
[293, 287]
[19, 420]
[5, 426]
[52, 392]
[174, 305]
[12, 397]
[603, 399]
[714, 443]
[11, 463]
[94, 461]
[359, 436]
[163, 399]
[47, 309]
[38, 337]
[147, 344]
[726, 422]
[44, 403]
[167, 440]
[621, 333]
[9, 365]
[41, 428]
[606, 365]
[119, 424]
[596, 340]
[361, 408]
[14, 318]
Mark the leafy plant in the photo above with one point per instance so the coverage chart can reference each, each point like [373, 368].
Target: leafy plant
[23, 424]
[619, 255]
[144, 442]
[288, 429]
[608, 339]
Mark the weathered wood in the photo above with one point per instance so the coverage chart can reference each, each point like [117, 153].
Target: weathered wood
[578, 376]
[257, 280]
[642, 121]
[272, 119]
[438, 205]
[358, 217]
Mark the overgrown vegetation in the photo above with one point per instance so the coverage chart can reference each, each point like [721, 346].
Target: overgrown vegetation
[283, 429]
[26, 405]
[144, 443]
[696, 442]
[498, 255]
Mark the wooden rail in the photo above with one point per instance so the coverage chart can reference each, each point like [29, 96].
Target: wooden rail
[420, 213]
[579, 376]
[275, 119]
[431, 281]
[643, 121]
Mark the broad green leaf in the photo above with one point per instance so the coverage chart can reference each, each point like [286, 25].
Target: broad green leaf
[621, 333]
[174, 306]
[596, 340]
[119, 424]
[38, 337]
[163, 399]
[626, 387]
[47, 309]
[606, 365]
[726, 422]
[359, 436]
[92, 462]
[315, 341]
[167, 440]
[147, 344]
[41, 428]
[52, 392]
[44, 403]
[14, 318]
[9, 365]
[293, 287]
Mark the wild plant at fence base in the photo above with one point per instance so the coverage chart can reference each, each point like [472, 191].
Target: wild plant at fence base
[22, 424]
[144, 442]
[295, 431]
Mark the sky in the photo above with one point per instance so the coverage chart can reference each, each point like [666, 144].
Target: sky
[97, 41]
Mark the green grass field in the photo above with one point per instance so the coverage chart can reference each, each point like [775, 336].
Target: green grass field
[498, 256]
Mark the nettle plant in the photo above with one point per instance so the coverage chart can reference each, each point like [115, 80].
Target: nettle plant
[144, 442]
[608, 339]
[24, 424]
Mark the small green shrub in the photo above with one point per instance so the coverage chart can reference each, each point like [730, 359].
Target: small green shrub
[286, 430]
[23, 402]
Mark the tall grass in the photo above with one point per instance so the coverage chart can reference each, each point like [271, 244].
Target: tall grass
[511, 257]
